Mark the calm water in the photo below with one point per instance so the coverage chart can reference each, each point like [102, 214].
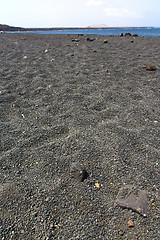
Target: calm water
[146, 32]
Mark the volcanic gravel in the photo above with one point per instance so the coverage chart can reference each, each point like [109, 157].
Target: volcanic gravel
[85, 99]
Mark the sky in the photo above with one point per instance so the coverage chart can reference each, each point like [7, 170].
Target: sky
[80, 13]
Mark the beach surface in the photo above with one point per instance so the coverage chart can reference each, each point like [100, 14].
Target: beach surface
[69, 98]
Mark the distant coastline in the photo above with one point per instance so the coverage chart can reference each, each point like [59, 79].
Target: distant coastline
[4, 27]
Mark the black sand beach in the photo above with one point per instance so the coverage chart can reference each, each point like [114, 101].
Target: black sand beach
[64, 98]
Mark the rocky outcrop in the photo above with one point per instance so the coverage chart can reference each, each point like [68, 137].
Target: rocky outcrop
[4, 27]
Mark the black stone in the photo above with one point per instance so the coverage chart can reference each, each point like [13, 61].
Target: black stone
[90, 39]
[78, 171]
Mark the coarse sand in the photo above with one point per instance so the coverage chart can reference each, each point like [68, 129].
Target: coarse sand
[86, 99]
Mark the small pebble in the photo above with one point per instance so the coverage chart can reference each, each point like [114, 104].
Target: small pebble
[150, 67]
[75, 40]
[130, 223]
[121, 233]
[90, 39]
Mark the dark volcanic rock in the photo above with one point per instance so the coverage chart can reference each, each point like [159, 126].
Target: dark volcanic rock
[150, 67]
[9, 28]
[128, 34]
[78, 171]
[135, 35]
[90, 39]
[75, 40]
[134, 199]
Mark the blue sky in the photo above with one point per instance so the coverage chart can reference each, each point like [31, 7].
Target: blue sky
[80, 13]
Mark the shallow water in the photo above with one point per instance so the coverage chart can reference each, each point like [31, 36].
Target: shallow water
[146, 32]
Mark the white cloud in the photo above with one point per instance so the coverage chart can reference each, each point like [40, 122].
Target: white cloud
[121, 12]
[93, 2]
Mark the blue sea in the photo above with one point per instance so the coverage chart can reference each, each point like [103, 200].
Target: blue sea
[146, 31]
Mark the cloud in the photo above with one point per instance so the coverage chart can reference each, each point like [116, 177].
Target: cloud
[121, 12]
[93, 2]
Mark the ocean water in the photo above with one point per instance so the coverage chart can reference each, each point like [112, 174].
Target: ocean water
[146, 32]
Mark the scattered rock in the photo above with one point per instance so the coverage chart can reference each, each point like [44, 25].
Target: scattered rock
[128, 34]
[97, 185]
[75, 40]
[132, 198]
[150, 67]
[130, 223]
[35, 214]
[78, 171]
[135, 35]
[121, 232]
[70, 55]
[90, 39]
[105, 41]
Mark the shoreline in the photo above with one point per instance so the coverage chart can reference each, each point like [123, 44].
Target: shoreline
[115, 32]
